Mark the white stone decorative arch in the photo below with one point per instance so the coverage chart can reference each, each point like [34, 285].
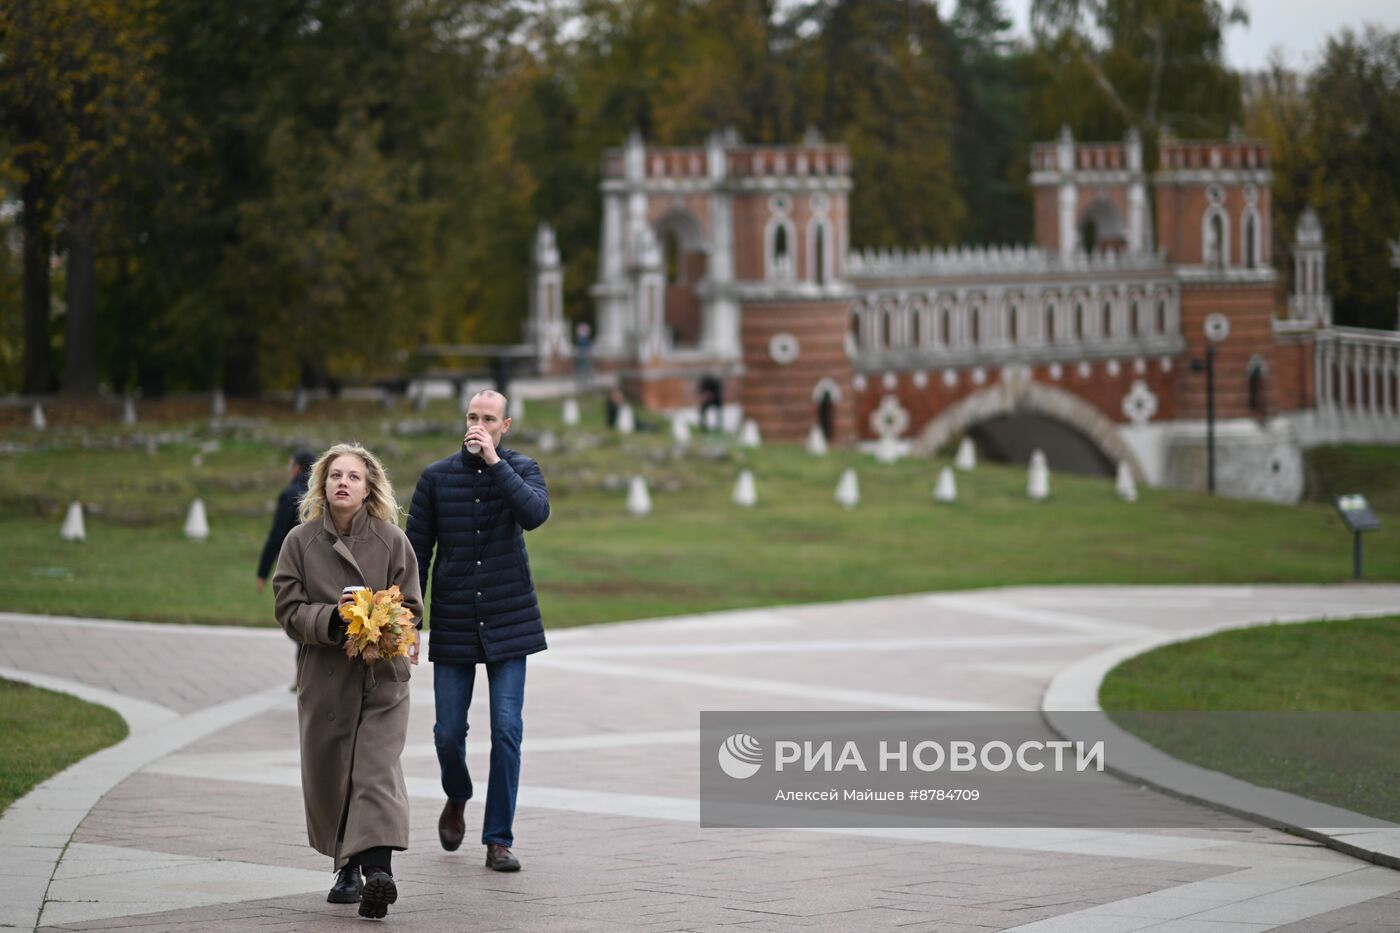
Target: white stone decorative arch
[826, 384]
[1028, 397]
[1108, 222]
[1251, 258]
[685, 226]
[1211, 213]
[819, 239]
[773, 270]
[690, 238]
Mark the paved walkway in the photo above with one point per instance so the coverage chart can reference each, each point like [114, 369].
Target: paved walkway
[195, 822]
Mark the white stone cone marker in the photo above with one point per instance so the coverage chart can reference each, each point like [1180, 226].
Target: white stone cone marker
[1038, 477]
[299, 400]
[816, 442]
[680, 431]
[626, 423]
[745, 492]
[129, 412]
[638, 499]
[73, 529]
[848, 489]
[40, 422]
[219, 406]
[748, 434]
[966, 459]
[1124, 485]
[570, 412]
[197, 523]
[946, 489]
[517, 408]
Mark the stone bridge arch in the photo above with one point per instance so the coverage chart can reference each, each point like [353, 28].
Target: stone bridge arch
[1019, 395]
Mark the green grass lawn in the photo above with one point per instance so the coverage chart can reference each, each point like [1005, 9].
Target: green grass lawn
[594, 563]
[1313, 709]
[46, 732]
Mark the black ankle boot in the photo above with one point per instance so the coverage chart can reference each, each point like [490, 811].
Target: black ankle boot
[379, 892]
[347, 887]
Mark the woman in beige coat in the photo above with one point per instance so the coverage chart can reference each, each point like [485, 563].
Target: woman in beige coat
[353, 715]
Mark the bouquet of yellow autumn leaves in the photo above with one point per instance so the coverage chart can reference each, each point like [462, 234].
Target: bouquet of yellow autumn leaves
[377, 626]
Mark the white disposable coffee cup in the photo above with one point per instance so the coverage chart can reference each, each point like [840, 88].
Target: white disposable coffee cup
[473, 448]
[352, 589]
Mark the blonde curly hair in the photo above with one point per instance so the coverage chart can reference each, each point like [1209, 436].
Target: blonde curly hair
[380, 500]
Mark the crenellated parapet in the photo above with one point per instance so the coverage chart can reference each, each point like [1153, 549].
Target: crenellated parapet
[1012, 259]
[690, 163]
[1211, 155]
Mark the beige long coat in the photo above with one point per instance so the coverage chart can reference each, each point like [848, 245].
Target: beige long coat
[353, 716]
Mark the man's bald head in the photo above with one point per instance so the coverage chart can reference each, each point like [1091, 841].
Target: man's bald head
[491, 398]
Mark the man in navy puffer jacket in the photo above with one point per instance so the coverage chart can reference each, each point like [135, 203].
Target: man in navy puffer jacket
[475, 507]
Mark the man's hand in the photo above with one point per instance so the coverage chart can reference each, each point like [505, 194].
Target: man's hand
[476, 434]
[262, 582]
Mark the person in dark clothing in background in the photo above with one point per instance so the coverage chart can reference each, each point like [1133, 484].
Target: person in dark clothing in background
[285, 518]
[474, 507]
[711, 392]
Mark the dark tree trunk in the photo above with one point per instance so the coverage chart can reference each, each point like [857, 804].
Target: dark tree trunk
[80, 344]
[37, 285]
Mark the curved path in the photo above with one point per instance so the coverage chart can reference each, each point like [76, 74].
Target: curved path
[195, 820]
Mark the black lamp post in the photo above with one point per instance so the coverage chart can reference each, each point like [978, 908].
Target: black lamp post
[1208, 367]
[1217, 328]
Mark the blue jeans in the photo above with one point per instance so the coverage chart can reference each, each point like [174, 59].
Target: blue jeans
[452, 695]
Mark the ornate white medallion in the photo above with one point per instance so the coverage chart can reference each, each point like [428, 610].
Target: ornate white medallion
[784, 348]
[1139, 405]
[890, 419]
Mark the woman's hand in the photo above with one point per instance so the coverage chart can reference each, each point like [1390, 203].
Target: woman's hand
[413, 652]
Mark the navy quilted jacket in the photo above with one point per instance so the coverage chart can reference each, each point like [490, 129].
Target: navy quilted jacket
[483, 599]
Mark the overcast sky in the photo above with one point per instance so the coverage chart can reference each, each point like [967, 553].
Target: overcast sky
[1297, 27]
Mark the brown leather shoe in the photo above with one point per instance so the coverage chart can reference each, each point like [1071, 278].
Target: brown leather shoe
[451, 825]
[499, 858]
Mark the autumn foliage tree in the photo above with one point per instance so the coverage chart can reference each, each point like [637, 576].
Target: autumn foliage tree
[81, 99]
[266, 193]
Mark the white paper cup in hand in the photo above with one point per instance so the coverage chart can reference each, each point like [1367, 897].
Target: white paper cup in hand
[473, 448]
[351, 590]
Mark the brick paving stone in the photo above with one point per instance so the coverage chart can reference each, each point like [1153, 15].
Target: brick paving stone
[591, 871]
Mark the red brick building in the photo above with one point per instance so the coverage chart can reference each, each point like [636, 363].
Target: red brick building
[734, 261]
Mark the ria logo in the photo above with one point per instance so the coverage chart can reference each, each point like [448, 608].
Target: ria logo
[740, 756]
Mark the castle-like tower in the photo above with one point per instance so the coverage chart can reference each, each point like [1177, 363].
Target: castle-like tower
[727, 260]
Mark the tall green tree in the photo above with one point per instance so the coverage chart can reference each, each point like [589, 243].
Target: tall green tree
[1336, 144]
[992, 134]
[880, 81]
[325, 135]
[81, 99]
[1105, 66]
